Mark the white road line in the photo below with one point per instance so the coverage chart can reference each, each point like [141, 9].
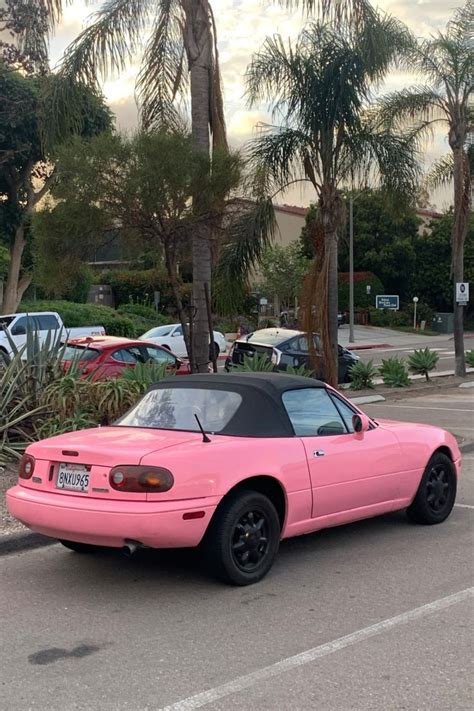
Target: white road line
[298, 660]
[464, 506]
[427, 407]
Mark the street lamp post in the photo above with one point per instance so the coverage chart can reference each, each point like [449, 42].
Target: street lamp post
[415, 301]
[351, 269]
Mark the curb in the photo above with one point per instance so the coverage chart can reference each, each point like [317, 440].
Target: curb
[367, 399]
[23, 541]
[365, 347]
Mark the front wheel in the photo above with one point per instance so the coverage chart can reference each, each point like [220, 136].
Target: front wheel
[243, 539]
[80, 547]
[436, 494]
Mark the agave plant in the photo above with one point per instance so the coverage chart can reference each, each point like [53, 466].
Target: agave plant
[256, 363]
[362, 375]
[146, 374]
[112, 398]
[422, 361]
[470, 358]
[394, 372]
[301, 370]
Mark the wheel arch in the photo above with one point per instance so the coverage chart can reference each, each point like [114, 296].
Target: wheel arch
[268, 486]
[444, 449]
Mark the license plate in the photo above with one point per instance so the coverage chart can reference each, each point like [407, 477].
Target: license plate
[73, 477]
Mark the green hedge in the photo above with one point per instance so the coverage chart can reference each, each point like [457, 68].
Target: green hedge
[138, 286]
[78, 315]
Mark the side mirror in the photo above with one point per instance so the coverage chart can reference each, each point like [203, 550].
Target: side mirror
[360, 423]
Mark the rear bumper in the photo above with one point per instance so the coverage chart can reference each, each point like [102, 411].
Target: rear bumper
[110, 523]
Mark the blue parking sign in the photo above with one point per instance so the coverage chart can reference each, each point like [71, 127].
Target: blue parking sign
[387, 301]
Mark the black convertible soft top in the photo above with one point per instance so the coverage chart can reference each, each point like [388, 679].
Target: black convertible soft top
[261, 412]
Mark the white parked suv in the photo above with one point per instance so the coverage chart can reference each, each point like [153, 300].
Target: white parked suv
[41, 323]
[171, 337]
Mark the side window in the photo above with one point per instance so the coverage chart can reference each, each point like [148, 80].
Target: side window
[178, 331]
[47, 322]
[346, 411]
[313, 413]
[127, 355]
[22, 325]
[157, 355]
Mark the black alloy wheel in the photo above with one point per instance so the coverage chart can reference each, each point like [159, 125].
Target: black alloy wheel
[436, 493]
[243, 538]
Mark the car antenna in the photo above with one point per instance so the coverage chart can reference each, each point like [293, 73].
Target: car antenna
[205, 438]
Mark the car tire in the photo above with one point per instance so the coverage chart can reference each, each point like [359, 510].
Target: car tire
[230, 556]
[214, 351]
[80, 547]
[436, 493]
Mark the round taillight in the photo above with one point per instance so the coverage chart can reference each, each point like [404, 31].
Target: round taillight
[118, 477]
[27, 467]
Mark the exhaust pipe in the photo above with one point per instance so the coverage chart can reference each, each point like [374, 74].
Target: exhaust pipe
[130, 547]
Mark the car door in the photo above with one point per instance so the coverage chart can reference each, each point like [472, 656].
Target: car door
[121, 359]
[352, 474]
[160, 356]
[176, 341]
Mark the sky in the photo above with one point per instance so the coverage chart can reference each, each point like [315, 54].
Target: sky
[242, 26]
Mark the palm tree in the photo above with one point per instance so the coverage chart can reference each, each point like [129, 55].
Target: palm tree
[180, 54]
[446, 61]
[320, 88]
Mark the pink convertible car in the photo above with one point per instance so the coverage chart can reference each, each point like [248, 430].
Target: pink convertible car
[236, 463]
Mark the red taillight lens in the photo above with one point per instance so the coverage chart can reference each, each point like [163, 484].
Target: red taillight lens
[141, 479]
[27, 467]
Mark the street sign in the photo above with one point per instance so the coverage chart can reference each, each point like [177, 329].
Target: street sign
[387, 301]
[263, 301]
[462, 293]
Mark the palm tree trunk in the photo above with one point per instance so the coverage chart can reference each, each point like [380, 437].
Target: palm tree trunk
[458, 237]
[199, 46]
[329, 215]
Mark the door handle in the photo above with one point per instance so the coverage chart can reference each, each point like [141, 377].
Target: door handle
[319, 453]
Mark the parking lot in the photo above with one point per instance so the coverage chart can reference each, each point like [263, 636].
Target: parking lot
[373, 615]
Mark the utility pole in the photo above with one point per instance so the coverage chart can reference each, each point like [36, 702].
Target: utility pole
[351, 269]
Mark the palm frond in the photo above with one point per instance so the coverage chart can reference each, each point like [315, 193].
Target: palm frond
[280, 154]
[441, 172]
[109, 42]
[410, 106]
[250, 231]
[378, 155]
[162, 75]
[356, 11]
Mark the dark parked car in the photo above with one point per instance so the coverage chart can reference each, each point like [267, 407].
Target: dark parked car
[284, 347]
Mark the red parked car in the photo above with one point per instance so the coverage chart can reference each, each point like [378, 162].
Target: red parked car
[102, 357]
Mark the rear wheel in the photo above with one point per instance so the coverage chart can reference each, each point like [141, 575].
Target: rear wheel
[243, 539]
[436, 494]
[80, 547]
[214, 351]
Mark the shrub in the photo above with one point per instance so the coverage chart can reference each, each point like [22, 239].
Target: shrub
[362, 375]
[23, 378]
[387, 318]
[470, 358]
[301, 370]
[77, 315]
[394, 372]
[139, 285]
[362, 300]
[78, 290]
[256, 363]
[147, 312]
[422, 361]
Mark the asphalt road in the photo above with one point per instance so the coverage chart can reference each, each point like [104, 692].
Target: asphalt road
[375, 615]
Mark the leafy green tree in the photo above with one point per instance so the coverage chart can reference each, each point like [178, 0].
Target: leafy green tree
[283, 270]
[385, 239]
[318, 86]
[446, 62]
[27, 152]
[142, 185]
[433, 280]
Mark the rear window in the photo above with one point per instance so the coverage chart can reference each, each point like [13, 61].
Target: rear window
[80, 353]
[175, 409]
[272, 339]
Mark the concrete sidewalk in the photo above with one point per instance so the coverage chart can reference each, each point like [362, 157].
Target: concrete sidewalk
[374, 337]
